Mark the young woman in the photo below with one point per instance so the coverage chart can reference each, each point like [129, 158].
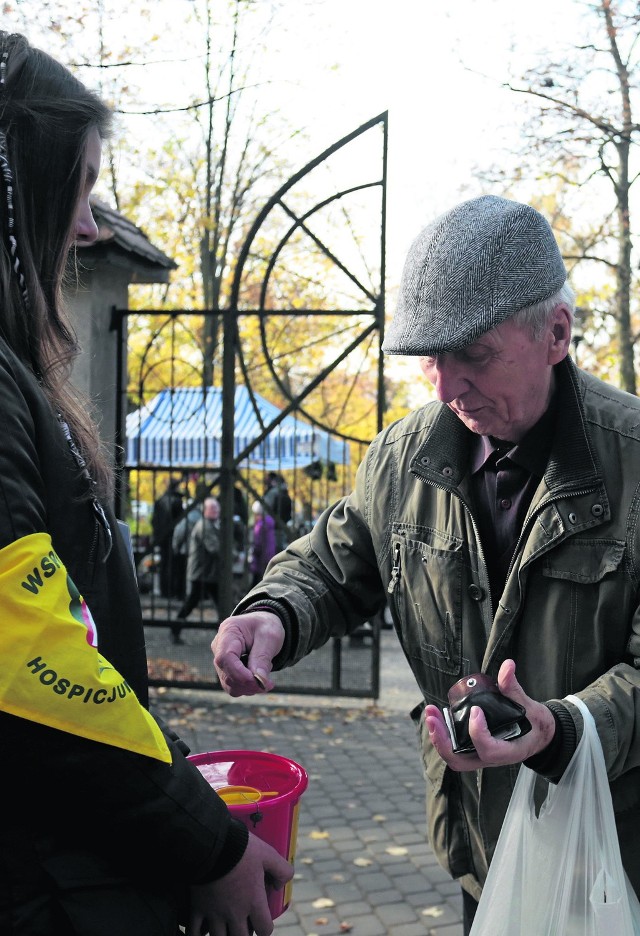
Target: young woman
[106, 827]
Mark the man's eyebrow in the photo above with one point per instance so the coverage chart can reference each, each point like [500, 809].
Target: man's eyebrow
[477, 347]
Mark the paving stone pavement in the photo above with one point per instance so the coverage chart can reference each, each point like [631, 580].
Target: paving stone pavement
[363, 865]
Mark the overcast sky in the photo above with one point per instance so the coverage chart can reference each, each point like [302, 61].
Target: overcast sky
[436, 66]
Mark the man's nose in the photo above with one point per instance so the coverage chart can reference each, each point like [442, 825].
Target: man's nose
[449, 380]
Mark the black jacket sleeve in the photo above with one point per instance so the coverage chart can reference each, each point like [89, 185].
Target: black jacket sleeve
[150, 817]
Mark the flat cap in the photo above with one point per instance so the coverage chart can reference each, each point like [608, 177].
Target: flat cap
[468, 271]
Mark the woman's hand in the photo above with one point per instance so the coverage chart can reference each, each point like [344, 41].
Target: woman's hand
[236, 904]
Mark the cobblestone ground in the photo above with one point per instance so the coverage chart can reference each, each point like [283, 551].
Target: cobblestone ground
[363, 865]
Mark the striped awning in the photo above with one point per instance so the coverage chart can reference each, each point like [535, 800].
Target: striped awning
[182, 427]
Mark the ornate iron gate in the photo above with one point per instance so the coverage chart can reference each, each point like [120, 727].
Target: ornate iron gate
[276, 407]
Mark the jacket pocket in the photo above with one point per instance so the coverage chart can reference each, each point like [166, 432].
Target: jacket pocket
[585, 561]
[426, 587]
[580, 602]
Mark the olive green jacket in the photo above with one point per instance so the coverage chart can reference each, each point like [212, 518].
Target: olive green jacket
[568, 614]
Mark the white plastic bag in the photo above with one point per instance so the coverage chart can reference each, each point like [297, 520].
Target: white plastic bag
[560, 873]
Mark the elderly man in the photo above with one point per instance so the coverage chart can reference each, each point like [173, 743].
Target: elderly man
[502, 525]
[203, 560]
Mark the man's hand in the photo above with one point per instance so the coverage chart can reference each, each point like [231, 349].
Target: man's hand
[236, 904]
[489, 751]
[243, 652]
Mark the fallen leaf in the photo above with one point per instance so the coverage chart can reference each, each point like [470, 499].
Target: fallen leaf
[433, 912]
[306, 860]
[379, 818]
[346, 927]
[161, 668]
[322, 903]
[322, 921]
[397, 850]
[317, 834]
[362, 862]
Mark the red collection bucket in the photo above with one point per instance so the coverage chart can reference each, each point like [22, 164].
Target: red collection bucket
[263, 790]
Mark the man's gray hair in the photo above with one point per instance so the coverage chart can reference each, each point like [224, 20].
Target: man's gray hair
[536, 316]
[210, 504]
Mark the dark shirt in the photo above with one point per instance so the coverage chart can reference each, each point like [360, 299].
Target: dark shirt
[504, 478]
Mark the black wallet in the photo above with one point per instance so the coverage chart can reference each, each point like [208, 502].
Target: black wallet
[506, 719]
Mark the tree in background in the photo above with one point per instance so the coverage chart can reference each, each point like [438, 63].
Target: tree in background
[196, 146]
[580, 146]
[195, 154]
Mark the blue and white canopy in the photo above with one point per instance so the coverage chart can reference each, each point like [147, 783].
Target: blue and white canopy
[182, 428]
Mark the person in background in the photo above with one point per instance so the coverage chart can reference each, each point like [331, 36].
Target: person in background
[277, 501]
[263, 544]
[203, 563]
[107, 827]
[501, 524]
[180, 540]
[240, 509]
[166, 511]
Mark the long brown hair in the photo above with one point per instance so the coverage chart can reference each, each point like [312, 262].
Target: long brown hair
[46, 116]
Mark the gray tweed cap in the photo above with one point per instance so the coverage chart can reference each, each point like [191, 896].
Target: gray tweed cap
[468, 271]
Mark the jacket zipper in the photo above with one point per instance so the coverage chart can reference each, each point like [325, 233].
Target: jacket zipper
[93, 550]
[395, 570]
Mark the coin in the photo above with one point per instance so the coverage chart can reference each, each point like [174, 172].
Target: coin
[260, 680]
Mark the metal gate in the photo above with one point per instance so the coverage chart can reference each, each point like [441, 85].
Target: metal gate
[301, 340]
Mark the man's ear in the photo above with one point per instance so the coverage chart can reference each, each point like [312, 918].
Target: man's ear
[560, 334]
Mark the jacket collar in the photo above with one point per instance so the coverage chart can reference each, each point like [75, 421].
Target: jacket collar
[444, 456]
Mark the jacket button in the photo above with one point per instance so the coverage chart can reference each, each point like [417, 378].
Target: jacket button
[475, 592]
[447, 472]
[425, 460]
[597, 510]
[573, 517]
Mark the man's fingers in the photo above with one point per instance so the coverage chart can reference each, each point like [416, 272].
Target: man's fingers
[262, 678]
[483, 741]
[259, 669]
[235, 676]
[240, 675]
[438, 731]
[507, 682]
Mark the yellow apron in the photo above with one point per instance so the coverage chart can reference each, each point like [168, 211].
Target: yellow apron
[51, 670]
